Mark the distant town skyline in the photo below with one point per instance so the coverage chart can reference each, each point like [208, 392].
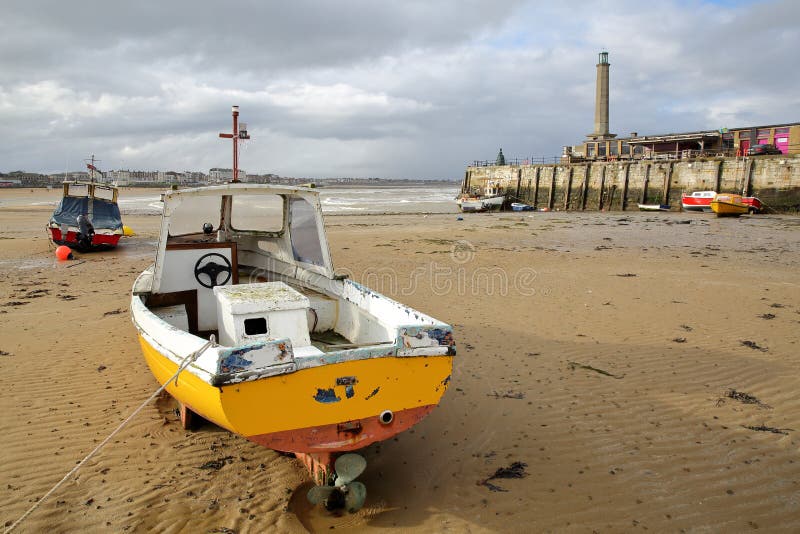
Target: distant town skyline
[357, 89]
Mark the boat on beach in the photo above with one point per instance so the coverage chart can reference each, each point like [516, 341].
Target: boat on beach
[521, 206]
[491, 199]
[701, 201]
[697, 201]
[653, 207]
[728, 204]
[468, 205]
[283, 351]
[87, 217]
[754, 204]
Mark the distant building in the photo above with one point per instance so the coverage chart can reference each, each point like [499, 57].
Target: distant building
[27, 179]
[708, 143]
[220, 175]
[195, 177]
[119, 178]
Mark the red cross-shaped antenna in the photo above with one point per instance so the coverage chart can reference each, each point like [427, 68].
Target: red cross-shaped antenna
[236, 134]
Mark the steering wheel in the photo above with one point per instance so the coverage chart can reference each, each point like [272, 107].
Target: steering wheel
[207, 266]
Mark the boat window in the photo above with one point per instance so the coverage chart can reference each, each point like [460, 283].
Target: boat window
[78, 190]
[192, 213]
[260, 213]
[105, 194]
[305, 236]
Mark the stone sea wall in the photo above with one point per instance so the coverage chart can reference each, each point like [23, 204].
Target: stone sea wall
[621, 185]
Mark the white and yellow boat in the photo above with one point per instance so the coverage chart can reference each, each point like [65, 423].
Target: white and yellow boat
[729, 205]
[301, 360]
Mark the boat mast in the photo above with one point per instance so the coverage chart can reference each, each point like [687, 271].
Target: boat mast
[90, 164]
[235, 135]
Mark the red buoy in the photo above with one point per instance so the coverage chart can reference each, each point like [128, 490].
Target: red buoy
[64, 253]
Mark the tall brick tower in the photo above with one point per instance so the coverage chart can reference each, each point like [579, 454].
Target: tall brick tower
[601, 100]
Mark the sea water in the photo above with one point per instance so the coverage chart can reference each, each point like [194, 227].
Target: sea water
[336, 200]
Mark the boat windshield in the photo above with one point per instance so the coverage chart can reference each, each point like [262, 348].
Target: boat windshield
[257, 213]
[304, 232]
[192, 212]
[78, 190]
[104, 193]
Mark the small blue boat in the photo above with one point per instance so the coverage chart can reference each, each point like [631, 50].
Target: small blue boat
[519, 206]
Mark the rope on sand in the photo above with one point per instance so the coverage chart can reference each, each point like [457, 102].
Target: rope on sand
[183, 365]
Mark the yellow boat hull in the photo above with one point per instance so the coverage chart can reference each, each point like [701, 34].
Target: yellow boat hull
[327, 408]
[729, 204]
[729, 208]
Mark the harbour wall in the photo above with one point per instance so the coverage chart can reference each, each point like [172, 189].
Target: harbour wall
[621, 185]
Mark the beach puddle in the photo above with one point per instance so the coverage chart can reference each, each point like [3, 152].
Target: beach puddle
[26, 264]
[315, 518]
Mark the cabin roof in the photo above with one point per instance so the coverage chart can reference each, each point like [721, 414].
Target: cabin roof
[228, 189]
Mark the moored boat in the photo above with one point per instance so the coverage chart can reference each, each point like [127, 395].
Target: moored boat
[653, 207]
[491, 199]
[697, 201]
[285, 352]
[473, 204]
[729, 204]
[87, 217]
[753, 203]
[521, 206]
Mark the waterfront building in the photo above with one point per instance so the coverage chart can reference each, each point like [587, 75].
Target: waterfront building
[600, 145]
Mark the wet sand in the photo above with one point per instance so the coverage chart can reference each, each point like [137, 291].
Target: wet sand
[642, 367]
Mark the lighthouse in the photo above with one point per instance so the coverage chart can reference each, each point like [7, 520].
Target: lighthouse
[601, 100]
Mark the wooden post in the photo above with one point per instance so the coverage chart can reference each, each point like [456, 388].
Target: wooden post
[519, 182]
[747, 190]
[646, 183]
[667, 182]
[536, 188]
[718, 183]
[585, 186]
[625, 187]
[552, 195]
[602, 187]
[465, 185]
[568, 190]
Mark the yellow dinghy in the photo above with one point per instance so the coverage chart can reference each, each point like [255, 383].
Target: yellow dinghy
[728, 205]
[300, 360]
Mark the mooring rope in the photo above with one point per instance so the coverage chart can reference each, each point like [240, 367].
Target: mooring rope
[183, 365]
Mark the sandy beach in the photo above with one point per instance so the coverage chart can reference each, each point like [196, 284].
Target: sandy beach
[636, 371]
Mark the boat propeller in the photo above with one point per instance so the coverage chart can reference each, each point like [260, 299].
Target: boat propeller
[346, 491]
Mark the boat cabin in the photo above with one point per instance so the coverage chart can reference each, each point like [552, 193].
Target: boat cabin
[86, 201]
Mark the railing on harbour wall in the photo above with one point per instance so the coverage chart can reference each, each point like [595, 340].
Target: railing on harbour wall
[646, 156]
[518, 161]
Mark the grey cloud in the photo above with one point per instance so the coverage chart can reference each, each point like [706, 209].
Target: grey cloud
[406, 89]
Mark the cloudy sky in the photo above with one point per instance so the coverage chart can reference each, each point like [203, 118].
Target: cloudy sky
[404, 89]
